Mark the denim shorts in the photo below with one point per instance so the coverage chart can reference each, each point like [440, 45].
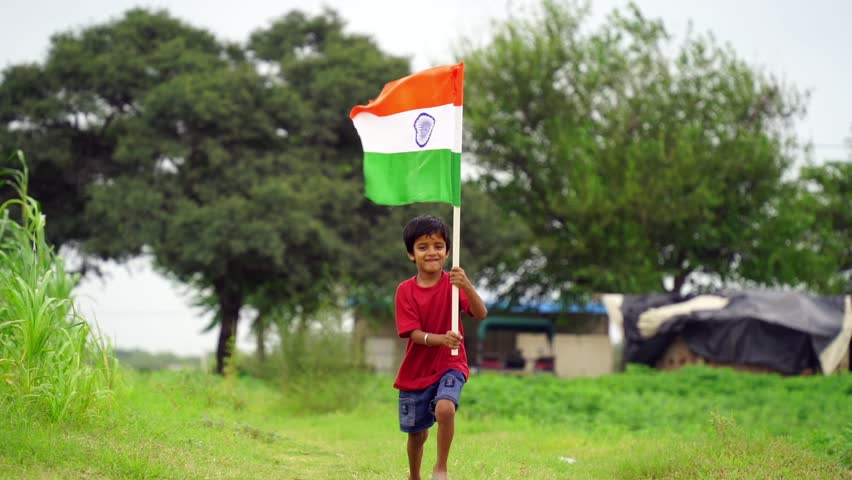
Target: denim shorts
[417, 408]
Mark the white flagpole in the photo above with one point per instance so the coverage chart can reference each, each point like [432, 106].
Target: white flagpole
[457, 227]
[456, 245]
[457, 230]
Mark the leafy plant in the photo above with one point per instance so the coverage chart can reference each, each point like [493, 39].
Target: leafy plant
[52, 364]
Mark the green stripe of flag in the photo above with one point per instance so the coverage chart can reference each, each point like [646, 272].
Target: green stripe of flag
[403, 178]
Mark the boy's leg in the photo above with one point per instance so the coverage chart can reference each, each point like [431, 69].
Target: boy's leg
[445, 412]
[446, 403]
[415, 453]
[415, 418]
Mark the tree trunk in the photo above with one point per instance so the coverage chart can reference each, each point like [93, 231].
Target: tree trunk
[260, 336]
[230, 302]
[679, 281]
[359, 337]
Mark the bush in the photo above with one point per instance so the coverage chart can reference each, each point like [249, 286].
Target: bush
[812, 410]
[51, 363]
[316, 368]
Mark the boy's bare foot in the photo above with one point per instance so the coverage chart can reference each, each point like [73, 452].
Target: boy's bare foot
[436, 475]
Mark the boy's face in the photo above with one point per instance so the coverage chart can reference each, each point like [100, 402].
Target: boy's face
[430, 253]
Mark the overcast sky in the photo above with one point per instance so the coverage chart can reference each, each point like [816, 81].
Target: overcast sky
[805, 43]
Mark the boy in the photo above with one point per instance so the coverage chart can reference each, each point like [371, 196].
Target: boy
[430, 378]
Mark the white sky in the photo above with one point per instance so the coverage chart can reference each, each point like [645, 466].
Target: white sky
[805, 43]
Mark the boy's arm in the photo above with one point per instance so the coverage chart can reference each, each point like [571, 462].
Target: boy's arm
[477, 306]
[449, 340]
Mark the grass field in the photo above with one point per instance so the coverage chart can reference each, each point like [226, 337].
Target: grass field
[698, 423]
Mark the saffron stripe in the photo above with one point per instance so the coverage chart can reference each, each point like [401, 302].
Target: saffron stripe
[430, 88]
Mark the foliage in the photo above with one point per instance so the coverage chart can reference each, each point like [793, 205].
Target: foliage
[648, 400]
[817, 244]
[230, 214]
[834, 180]
[72, 110]
[629, 159]
[830, 184]
[333, 71]
[52, 365]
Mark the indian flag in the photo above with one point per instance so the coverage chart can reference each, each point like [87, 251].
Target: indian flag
[412, 138]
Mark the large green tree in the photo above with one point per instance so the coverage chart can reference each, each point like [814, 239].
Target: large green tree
[635, 163]
[249, 190]
[222, 201]
[234, 169]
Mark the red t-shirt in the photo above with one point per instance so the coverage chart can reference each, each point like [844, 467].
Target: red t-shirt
[428, 309]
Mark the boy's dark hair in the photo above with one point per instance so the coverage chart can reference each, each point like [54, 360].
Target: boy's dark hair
[424, 225]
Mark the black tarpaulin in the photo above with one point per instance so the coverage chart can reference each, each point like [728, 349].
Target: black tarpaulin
[784, 331]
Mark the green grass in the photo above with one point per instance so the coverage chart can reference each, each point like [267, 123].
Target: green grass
[186, 425]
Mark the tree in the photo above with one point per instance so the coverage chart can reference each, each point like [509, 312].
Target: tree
[239, 183]
[222, 199]
[244, 183]
[629, 165]
[69, 113]
[831, 185]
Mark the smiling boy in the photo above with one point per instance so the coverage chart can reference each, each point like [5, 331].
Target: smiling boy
[430, 378]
